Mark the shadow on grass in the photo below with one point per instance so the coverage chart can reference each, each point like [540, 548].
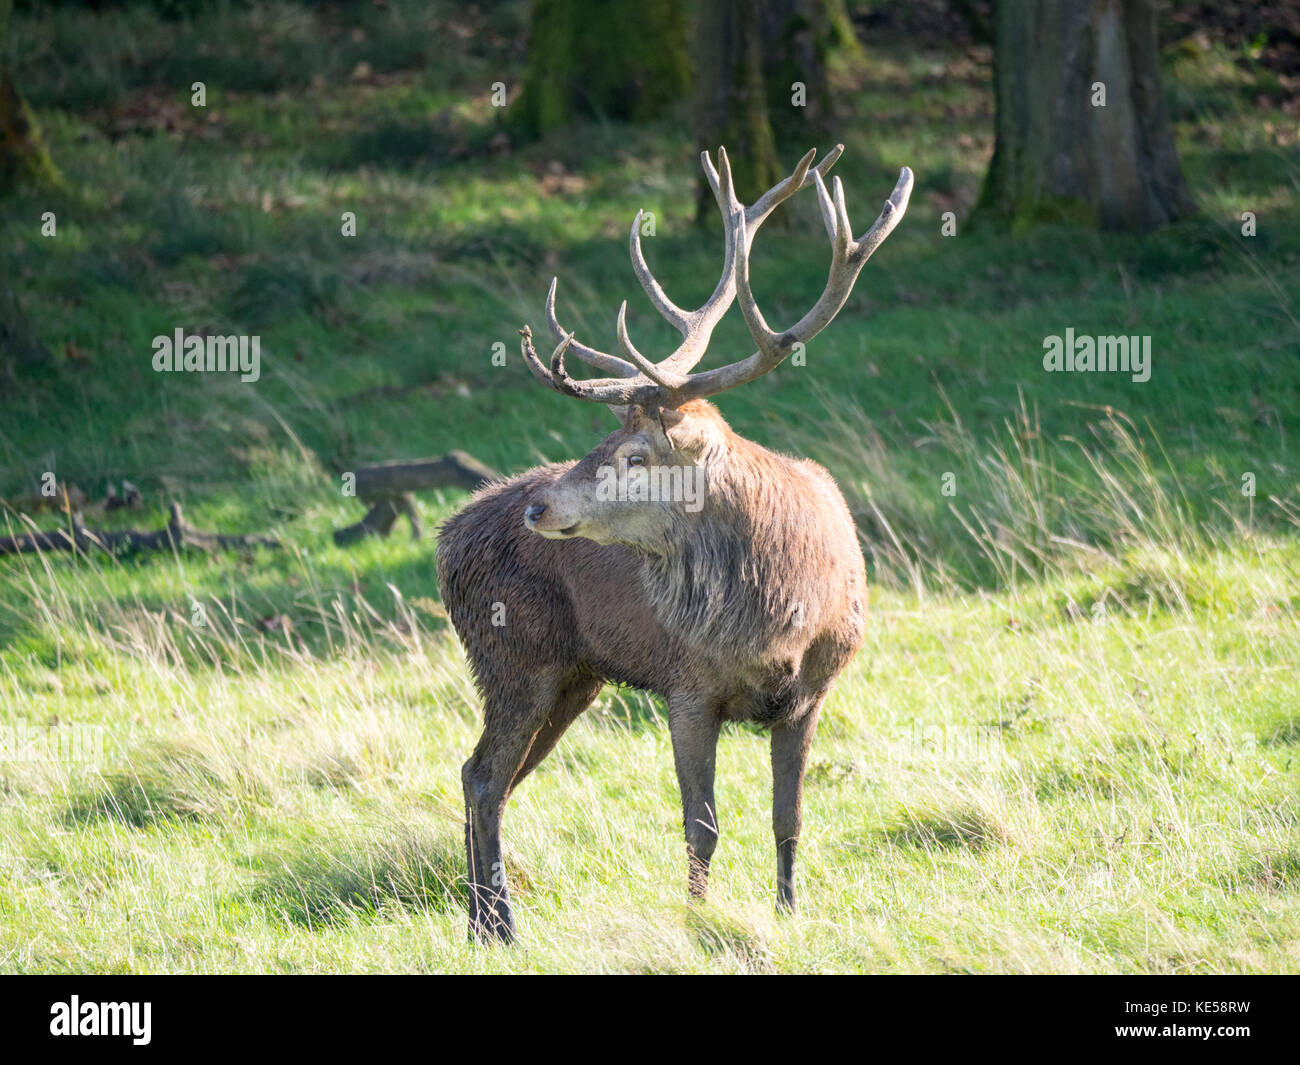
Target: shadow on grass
[1274, 872]
[1277, 871]
[720, 935]
[171, 781]
[1286, 733]
[964, 827]
[398, 144]
[1092, 777]
[406, 871]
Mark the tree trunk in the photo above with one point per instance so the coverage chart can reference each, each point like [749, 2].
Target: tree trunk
[762, 80]
[1060, 152]
[731, 99]
[799, 39]
[22, 157]
[22, 151]
[622, 59]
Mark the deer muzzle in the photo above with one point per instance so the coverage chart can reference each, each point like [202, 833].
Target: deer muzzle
[547, 521]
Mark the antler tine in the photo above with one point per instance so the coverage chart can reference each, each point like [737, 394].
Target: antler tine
[728, 183]
[619, 391]
[640, 381]
[767, 341]
[844, 230]
[599, 359]
[531, 360]
[801, 178]
[678, 318]
[555, 375]
[704, 320]
[847, 259]
[695, 326]
[829, 218]
[655, 373]
[890, 215]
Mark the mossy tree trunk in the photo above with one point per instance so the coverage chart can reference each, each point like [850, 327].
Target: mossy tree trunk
[22, 157]
[762, 86]
[731, 99]
[800, 39]
[22, 152]
[621, 59]
[1060, 152]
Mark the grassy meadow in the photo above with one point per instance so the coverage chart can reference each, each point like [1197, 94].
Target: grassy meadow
[1071, 742]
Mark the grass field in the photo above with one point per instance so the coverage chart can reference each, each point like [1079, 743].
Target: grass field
[1071, 742]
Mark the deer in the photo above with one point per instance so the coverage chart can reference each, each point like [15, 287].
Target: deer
[736, 591]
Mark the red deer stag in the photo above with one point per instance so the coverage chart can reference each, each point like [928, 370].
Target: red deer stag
[677, 557]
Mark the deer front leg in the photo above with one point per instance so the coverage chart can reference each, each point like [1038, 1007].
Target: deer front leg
[511, 722]
[485, 799]
[694, 726]
[790, 745]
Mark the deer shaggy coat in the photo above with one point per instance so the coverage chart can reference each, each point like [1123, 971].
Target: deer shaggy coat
[744, 610]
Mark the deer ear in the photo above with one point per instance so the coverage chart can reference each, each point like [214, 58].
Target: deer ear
[678, 429]
[619, 412]
[670, 417]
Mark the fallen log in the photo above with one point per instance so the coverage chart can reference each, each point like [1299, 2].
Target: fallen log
[176, 535]
[387, 488]
[380, 519]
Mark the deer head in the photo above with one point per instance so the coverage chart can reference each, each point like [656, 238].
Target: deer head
[670, 436]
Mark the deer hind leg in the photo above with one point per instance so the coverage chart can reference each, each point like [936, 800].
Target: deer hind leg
[694, 724]
[790, 745]
[575, 695]
[514, 714]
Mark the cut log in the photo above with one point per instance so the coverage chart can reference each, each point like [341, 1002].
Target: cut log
[387, 480]
[388, 486]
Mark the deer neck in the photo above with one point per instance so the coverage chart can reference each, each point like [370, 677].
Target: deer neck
[716, 582]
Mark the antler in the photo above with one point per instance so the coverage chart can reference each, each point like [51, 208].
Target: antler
[670, 382]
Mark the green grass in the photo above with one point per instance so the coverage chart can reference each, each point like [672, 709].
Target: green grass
[1070, 743]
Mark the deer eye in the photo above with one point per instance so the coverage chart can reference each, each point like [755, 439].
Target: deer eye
[636, 460]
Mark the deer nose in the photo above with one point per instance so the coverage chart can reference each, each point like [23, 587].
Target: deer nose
[533, 512]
